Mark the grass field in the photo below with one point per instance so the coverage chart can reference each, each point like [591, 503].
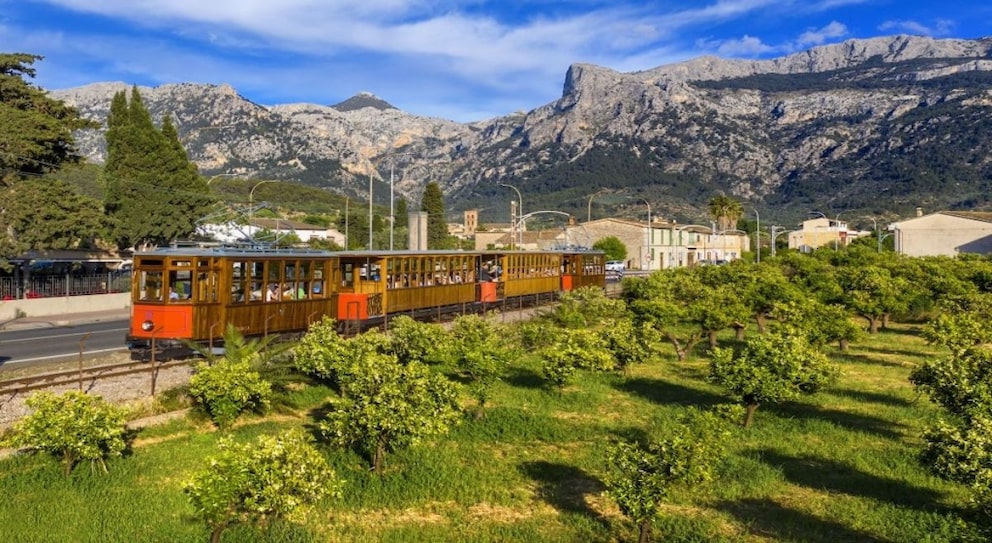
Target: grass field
[836, 467]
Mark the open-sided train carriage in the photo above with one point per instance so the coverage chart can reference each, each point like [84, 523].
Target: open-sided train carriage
[190, 294]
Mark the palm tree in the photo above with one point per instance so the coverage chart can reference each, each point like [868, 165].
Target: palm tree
[725, 211]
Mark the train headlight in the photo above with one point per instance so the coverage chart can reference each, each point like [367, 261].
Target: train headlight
[147, 326]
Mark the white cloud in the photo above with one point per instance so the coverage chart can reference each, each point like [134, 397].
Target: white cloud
[819, 36]
[942, 27]
[746, 46]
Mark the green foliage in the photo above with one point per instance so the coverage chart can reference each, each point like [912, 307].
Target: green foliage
[770, 368]
[574, 349]
[227, 387]
[437, 223]
[584, 307]
[818, 322]
[964, 322]
[272, 477]
[154, 194]
[385, 405]
[72, 427]
[641, 478]
[613, 247]
[481, 352]
[872, 292]
[322, 352]
[725, 211]
[36, 135]
[628, 342]
[412, 340]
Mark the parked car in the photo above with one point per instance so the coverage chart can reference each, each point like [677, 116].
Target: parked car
[615, 266]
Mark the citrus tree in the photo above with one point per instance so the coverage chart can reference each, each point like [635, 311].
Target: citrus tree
[481, 352]
[385, 405]
[640, 478]
[72, 427]
[770, 368]
[270, 478]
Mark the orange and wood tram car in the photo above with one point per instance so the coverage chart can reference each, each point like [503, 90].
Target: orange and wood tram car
[182, 295]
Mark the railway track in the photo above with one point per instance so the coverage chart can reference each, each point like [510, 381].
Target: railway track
[84, 377]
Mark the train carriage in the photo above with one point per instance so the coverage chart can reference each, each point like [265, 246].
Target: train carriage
[191, 293]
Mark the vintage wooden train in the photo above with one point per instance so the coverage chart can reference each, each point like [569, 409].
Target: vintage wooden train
[184, 294]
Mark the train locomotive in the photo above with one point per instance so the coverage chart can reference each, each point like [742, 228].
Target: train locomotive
[183, 295]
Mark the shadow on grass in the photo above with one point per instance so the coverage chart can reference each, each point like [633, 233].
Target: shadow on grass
[525, 378]
[565, 487]
[870, 397]
[769, 520]
[867, 359]
[849, 421]
[663, 392]
[904, 352]
[832, 476]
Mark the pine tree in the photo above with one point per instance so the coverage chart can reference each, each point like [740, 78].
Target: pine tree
[153, 193]
[36, 139]
[437, 226]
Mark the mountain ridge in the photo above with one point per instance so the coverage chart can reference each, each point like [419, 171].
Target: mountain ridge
[811, 129]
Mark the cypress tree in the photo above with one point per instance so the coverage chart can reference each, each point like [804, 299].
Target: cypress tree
[437, 226]
[154, 193]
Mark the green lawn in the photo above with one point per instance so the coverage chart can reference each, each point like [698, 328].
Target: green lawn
[836, 467]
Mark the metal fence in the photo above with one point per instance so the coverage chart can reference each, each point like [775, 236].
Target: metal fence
[45, 286]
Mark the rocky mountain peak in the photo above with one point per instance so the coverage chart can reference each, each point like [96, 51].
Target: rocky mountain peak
[363, 100]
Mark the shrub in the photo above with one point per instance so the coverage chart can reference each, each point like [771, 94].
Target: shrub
[274, 477]
[72, 427]
[227, 389]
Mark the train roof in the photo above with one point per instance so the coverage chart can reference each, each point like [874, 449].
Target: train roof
[263, 251]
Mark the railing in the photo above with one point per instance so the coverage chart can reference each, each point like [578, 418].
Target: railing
[47, 286]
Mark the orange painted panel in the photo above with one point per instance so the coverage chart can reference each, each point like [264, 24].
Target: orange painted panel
[168, 321]
[353, 306]
[566, 282]
[487, 292]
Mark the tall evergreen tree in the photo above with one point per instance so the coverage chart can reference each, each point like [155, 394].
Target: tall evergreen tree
[36, 139]
[154, 194]
[437, 226]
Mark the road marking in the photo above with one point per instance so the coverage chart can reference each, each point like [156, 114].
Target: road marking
[75, 334]
[67, 355]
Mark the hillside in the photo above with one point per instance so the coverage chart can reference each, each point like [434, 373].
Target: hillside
[870, 127]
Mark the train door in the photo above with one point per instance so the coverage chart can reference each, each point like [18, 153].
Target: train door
[363, 287]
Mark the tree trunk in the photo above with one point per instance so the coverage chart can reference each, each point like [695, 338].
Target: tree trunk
[873, 325]
[215, 533]
[739, 332]
[380, 451]
[68, 462]
[844, 343]
[749, 414]
[645, 528]
[759, 319]
[712, 334]
[885, 320]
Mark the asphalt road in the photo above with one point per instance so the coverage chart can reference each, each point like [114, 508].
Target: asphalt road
[20, 348]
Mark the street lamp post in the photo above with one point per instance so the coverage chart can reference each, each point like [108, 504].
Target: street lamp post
[212, 178]
[647, 248]
[370, 205]
[776, 230]
[757, 235]
[516, 226]
[589, 208]
[251, 204]
[347, 199]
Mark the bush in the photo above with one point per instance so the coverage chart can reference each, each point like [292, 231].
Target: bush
[227, 389]
[274, 477]
[72, 427]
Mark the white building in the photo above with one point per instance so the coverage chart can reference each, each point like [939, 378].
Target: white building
[946, 233]
[232, 232]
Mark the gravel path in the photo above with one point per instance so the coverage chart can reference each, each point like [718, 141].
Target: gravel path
[132, 389]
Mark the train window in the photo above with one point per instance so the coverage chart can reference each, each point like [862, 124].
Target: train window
[256, 281]
[150, 286]
[317, 286]
[180, 285]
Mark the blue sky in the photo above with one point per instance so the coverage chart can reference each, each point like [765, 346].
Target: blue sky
[463, 60]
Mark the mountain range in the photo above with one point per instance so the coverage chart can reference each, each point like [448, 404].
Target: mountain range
[864, 128]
